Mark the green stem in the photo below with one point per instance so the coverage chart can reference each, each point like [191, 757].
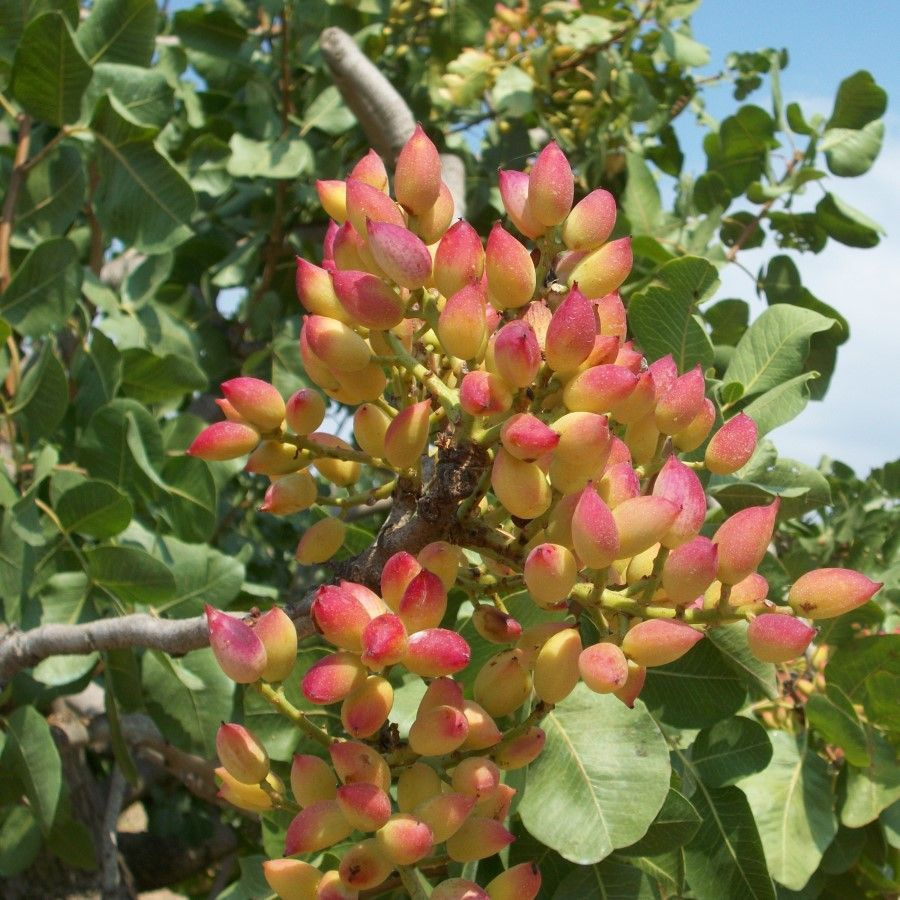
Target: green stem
[360, 499]
[310, 450]
[278, 701]
[447, 397]
[410, 878]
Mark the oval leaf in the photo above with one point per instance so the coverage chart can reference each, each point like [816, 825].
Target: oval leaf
[31, 754]
[130, 574]
[95, 508]
[730, 750]
[601, 779]
[793, 803]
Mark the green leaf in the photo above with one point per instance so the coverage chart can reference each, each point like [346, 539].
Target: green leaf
[269, 159]
[833, 716]
[781, 404]
[758, 676]
[608, 879]
[252, 883]
[793, 803]
[141, 198]
[675, 824]
[190, 498]
[873, 788]
[144, 94]
[213, 41]
[44, 288]
[202, 574]
[844, 850]
[188, 698]
[329, 113]
[513, 93]
[738, 153]
[50, 74]
[863, 667]
[119, 31]
[585, 797]
[106, 452]
[130, 574]
[97, 372]
[846, 224]
[20, 841]
[730, 750]
[781, 282]
[696, 690]
[800, 487]
[584, 32]
[30, 753]
[71, 840]
[158, 379]
[641, 201]
[797, 122]
[849, 152]
[729, 320]
[120, 748]
[774, 348]
[43, 395]
[725, 858]
[95, 508]
[684, 49]
[662, 316]
[665, 871]
[859, 101]
[51, 196]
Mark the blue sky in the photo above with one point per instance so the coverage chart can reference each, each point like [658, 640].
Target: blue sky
[859, 420]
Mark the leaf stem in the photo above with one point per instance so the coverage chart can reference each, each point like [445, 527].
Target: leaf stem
[447, 397]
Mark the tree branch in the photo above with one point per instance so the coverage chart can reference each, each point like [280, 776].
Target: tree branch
[382, 112]
[12, 197]
[23, 649]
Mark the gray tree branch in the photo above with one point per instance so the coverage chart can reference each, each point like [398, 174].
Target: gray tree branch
[24, 649]
[383, 114]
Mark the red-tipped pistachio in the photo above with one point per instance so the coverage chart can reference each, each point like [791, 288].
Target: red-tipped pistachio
[279, 636]
[743, 539]
[826, 593]
[603, 667]
[224, 440]
[551, 186]
[777, 638]
[656, 642]
[237, 647]
[242, 755]
[312, 780]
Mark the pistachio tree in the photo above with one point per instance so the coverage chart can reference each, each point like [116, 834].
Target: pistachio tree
[507, 590]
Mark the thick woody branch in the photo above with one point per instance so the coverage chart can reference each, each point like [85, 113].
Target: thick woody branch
[419, 514]
[383, 114]
[23, 649]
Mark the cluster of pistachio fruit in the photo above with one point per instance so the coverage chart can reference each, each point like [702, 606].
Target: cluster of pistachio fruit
[517, 349]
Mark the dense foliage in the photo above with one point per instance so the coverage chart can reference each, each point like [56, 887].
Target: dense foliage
[159, 174]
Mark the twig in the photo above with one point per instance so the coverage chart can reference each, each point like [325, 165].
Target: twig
[109, 851]
[12, 197]
[750, 228]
